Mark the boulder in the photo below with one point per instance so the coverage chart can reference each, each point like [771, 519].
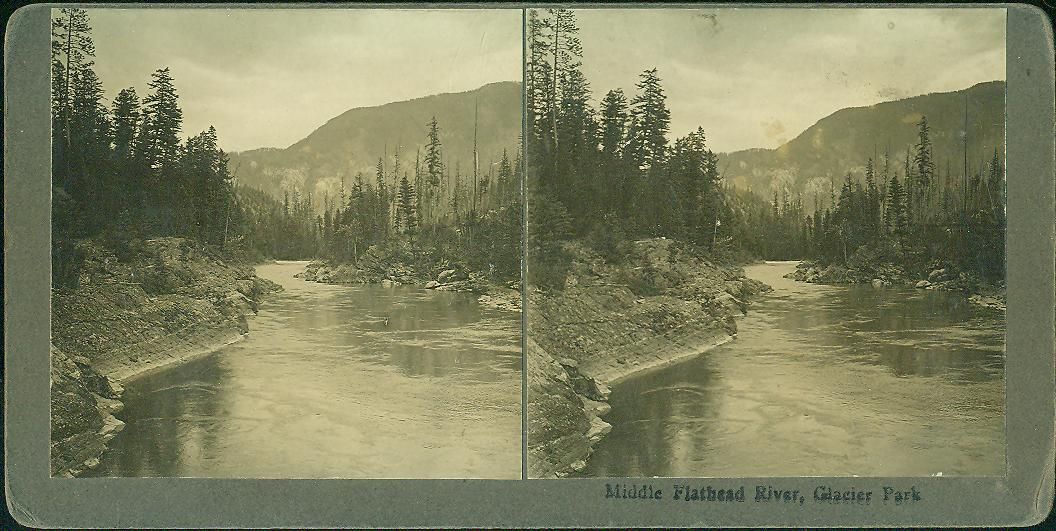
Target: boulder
[598, 429]
[730, 303]
[432, 284]
[446, 275]
[923, 284]
[569, 363]
[938, 275]
[603, 390]
[598, 409]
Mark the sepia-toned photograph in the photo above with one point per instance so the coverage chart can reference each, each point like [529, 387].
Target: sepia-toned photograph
[765, 242]
[286, 243]
[537, 265]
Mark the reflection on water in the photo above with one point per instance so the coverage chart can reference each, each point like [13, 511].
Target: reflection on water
[337, 381]
[823, 380]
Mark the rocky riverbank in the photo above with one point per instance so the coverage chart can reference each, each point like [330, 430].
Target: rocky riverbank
[939, 276]
[662, 303]
[442, 277]
[151, 304]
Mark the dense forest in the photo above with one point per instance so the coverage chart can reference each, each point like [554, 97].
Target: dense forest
[610, 175]
[434, 214]
[122, 173]
[605, 175]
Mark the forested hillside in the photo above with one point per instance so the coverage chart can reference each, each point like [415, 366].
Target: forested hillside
[352, 142]
[909, 190]
[434, 218]
[822, 154]
[124, 172]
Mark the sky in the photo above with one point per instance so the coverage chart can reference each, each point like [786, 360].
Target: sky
[755, 78]
[749, 77]
[268, 77]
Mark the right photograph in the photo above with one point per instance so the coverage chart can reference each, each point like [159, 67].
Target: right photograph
[765, 242]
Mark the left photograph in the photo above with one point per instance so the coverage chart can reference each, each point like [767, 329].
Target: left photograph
[286, 243]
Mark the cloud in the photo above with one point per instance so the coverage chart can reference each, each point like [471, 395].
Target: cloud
[774, 131]
[790, 65]
[268, 77]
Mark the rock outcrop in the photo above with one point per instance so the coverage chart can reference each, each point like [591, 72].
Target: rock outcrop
[939, 277]
[376, 268]
[611, 322]
[166, 300]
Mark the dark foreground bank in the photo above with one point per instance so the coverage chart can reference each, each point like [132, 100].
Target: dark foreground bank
[663, 303]
[132, 311]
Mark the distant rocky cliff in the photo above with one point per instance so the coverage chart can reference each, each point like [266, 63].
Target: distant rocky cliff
[843, 141]
[353, 142]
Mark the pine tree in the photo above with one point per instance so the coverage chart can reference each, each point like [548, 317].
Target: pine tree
[160, 152]
[405, 212]
[922, 158]
[566, 52]
[647, 147]
[650, 120]
[872, 208]
[128, 175]
[996, 186]
[205, 188]
[383, 217]
[164, 120]
[505, 180]
[613, 122]
[434, 172]
[125, 117]
[575, 160]
[72, 50]
[539, 95]
[895, 214]
[924, 167]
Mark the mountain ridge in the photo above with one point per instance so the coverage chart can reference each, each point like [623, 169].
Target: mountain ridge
[352, 142]
[841, 142]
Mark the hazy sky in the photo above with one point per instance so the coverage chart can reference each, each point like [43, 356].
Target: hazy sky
[267, 78]
[759, 77]
[750, 77]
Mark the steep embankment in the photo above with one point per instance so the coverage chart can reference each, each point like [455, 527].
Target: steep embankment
[662, 304]
[161, 301]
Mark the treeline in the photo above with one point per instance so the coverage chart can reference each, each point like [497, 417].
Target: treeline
[616, 159]
[435, 210]
[371, 212]
[126, 163]
[121, 172]
[609, 175]
[917, 218]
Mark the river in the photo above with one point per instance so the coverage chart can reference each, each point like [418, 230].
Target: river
[336, 382]
[822, 381]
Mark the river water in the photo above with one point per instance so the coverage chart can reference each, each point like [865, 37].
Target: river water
[822, 381]
[336, 382]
